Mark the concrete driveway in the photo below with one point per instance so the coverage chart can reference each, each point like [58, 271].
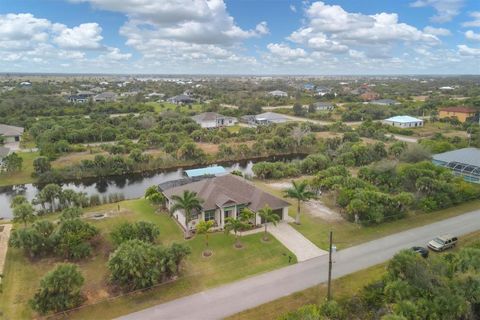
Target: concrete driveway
[303, 248]
[229, 299]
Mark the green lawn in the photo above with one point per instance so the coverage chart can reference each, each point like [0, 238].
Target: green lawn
[347, 234]
[23, 176]
[341, 288]
[227, 264]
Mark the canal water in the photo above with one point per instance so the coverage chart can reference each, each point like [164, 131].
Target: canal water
[132, 186]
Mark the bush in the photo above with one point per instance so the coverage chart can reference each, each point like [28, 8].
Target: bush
[141, 230]
[73, 239]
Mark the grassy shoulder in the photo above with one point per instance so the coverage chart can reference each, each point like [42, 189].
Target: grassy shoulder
[341, 288]
[227, 264]
[347, 234]
[23, 176]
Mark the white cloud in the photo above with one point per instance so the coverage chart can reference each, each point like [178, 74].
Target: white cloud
[445, 10]
[467, 51]
[293, 8]
[283, 51]
[476, 20]
[470, 35]
[84, 36]
[437, 31]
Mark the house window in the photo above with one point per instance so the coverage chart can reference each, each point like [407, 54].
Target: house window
[209, 215]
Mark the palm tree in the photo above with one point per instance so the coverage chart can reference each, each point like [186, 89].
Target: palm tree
[204, 227]
[299, 191]
[234, 225]
[268, 215]
[247, 215]
[187, 202]
[23, 212]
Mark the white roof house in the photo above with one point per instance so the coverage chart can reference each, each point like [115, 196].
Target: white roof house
[270, 117]
[404, 122]
[213, 120]
[278, 93]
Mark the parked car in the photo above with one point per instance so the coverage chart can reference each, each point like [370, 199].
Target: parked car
[421, 251]
[443, 242]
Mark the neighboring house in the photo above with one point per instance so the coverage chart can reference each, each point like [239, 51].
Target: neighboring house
[404, 122]
[321, 91]
[264, 118]
[78, 98]
[278, 93]
[309, 86]
[447, 88]
[213, 120]
[384, 102]
[369, 95]
[10, 133]
[225, 196]
[463, 162]
[25, 85]
[181, 99]
[461, 113]
[105, 97]
[4, 151]
[323, 106]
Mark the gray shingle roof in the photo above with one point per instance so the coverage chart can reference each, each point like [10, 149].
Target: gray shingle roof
[10, 131]
[470, 156]
[228, 188]
[4, 152]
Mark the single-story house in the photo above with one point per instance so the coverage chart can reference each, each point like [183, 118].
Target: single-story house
[78, 98]
[11, 133]
[384, 102]
[321, 91]
[181, 99]
[4, 151]
[308, 86]
[463, 162]
[25, 84]
[323, 106]
[404, 122]
[278, 93]
[105, 97]
[213, 120]
[264, 118]
[461, 113]
[225, 196]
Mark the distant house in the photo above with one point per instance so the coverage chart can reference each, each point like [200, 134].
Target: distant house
[463, 162]
[181, 99]
[223, 197]
[4, 151]
[321, 91]
[323, 106]
[369, 95]
[446, 88]
[308, 86]
[265, 118]
[384, 102]
[213, 120]
[105, 97]
[11, 133]
[404, 122]
[461, 113]
[278, 93]
[25, 85]
[78, 98]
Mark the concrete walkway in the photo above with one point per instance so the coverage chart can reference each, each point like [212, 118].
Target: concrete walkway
[303, 248]
[241, 295]
[4, 236]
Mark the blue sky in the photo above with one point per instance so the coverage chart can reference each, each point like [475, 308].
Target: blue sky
[240, 36]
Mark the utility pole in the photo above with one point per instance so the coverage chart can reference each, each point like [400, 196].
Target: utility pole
[329, 292]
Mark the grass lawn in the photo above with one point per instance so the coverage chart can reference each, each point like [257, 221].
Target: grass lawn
[227, 264]
[347, 234]
[341, 288]
[23, 176]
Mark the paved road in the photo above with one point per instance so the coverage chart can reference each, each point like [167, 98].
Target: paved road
[235, 297]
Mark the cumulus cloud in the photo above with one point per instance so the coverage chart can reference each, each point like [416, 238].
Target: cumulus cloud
[437, 31]
[470, 35]
[293, 8]
[445, 10]
[84, 36]
[468, 51]
[476, 20]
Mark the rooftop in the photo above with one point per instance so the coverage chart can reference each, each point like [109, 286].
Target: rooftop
[9, 131]
[403, 119]
[208, 116]
[4, 152]
[459, 109]
[468, 156]
[215, 170]
[218, 191]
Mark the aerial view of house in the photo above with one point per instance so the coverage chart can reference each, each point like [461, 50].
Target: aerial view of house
[404, 122]
[464, 162]
[214, 120]
[461, 113]
[11, 133]
[225, 196]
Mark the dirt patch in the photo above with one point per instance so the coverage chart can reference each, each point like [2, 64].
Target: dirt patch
[107, 214]
[75, 158]
[280, 185]
[208, 148]
[327, 134]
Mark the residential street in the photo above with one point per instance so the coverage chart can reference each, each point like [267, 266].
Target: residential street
[232, 298]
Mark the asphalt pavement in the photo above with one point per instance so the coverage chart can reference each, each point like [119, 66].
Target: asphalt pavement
[229, 299]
